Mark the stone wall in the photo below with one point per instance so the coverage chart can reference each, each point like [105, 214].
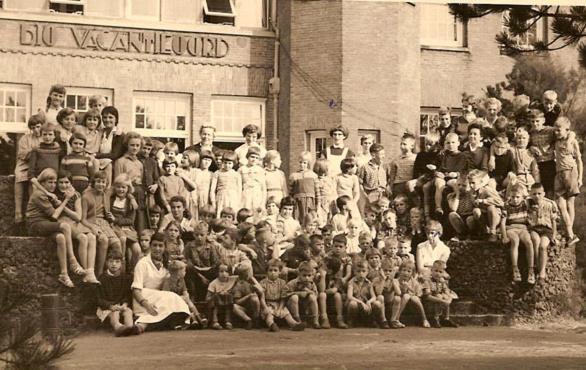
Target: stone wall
[29, 266]
[481, 272]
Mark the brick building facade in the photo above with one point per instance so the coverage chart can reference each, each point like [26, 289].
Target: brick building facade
[169, 66]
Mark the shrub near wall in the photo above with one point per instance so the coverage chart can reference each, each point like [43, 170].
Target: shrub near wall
[29, 266]
[481, 271]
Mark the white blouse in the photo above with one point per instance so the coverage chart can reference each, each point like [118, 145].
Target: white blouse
[146, 275]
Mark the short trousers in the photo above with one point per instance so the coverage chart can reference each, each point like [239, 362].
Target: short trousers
[547, 174]
[543, 231]
[400, 188]
[43, 228]
[566, 183]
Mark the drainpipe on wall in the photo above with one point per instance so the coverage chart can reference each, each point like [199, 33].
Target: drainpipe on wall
[275, 82]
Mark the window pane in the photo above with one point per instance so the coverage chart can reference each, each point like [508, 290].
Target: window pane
[219, 6]
[181, 123]
[20, 99]
[149, 123]
[10, 115]
[70, 101]
[10, 98]
[21, 115]
[2, 114]
[139, 121]
[82, 103]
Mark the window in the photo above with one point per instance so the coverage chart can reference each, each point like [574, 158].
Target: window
[428, 122]
[67, 6]
[77, 98]
[144, 9]
[165, 115]
[373, 133]
[316, 142]
[231, 113]
[219, 12]
[439, 27]
[537, 32]
[15, 107]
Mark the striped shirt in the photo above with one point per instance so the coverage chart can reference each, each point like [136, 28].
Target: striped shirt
[372, 176]
[544, 140]
[544, 214]
[78, 165]
[401, 168]
[45, 156]
[517, 215]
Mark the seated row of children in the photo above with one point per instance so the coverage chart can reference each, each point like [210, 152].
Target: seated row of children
[248, 272]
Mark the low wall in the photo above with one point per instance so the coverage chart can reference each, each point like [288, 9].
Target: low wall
[30, 269]
[481, 271]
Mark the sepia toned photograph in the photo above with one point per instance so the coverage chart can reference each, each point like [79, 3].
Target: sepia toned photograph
[292, 184]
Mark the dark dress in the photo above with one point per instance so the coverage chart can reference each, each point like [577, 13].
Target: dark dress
[215, 150]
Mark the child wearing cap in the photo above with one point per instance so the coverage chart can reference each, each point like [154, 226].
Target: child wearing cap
[338, 150]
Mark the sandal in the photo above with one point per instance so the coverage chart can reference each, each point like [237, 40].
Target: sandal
[228, 325]
[76, 268]
[516, 275]
[531, 277]
[65, 280]
[216, 326]
[425, 324]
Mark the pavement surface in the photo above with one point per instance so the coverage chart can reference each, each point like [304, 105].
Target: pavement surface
[410, 348]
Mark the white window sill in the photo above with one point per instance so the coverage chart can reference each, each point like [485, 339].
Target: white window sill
[91, 20]
[455, 49]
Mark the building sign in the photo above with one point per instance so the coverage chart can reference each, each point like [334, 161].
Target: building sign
[124, 41]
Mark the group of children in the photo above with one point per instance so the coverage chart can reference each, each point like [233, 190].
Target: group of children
[363, 241]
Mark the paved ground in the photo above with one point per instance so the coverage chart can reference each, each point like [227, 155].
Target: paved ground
[411, 348]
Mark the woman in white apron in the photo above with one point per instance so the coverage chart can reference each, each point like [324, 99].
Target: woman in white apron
[151, 304]
[337, 151]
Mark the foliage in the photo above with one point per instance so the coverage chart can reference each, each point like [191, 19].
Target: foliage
[567, 25]
[21, 344]
[531, 76]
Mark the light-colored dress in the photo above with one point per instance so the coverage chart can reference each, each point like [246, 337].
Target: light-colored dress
[276, 184]
[150, 281]
[204, 183]
[253, 187]
[228, 187]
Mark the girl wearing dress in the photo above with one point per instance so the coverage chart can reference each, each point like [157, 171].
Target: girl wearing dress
[254, 187]
[276, 180]
[304, 187]
[226, 185]
[123, 208]
[204, 180]
[327, 190]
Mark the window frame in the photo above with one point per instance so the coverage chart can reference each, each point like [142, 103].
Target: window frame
[164, 132]
[433, 112]
[16, 127]
[81, 91]
[81, 3]
[541, 32]
[232, 14]
[233, 137]
[460, 32]
[311, 138]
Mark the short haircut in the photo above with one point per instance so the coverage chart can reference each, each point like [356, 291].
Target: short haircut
[95, 113]
[432, 138]
[230, 156]
[408, 264]
[537, 185]
[251, 129]
[346, 164]
[228, 211]
[58, 89]
[321, 167]
[78, 136]
[342, 201]
[253, 151]
[452, 135]
[207, 210]
[65, 112]
[375, 148]
[271, 156]
[408, 136]
[518, 188]
[159, 237]
[100, 175]
[36, 119]
[563, 122]
[474, 126]
[288, 201]
[168, 163]
[155, 209]
[275, 263]
[340, 238]
[203, 127]
[272, 200]
[305, 267]
[111, 110]
[192, 156]
[502, 137]
[477, 174]
[341, 129]
[47, 174]
[493, 101]
[135, 135]
[305, 155]
[63, 174]
[371, 252]
[363, 138]
[178, 199]
[360, 265]
[48, 127]
[233, 233]
[243, 214]
[434, 225]
[114, 254]
[550, 95]
[171, 147]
